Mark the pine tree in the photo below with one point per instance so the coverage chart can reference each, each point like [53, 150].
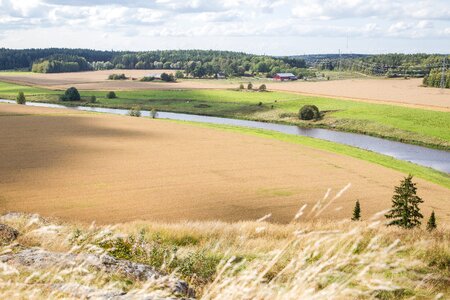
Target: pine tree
[405, 210]
[431, 224]
[356, 212]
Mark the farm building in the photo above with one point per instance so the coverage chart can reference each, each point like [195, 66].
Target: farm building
[221, 75]
[285, 76]
[154, 75]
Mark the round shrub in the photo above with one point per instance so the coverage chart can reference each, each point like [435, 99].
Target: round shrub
[111, 95]
[262, 88]
[250, 86]
[21, 98]
[309, 112]
[92, 99]
[135, 111]
[71, 94]
[153, 113]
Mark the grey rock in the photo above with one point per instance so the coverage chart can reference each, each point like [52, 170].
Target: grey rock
[7, 234]
[39, 258]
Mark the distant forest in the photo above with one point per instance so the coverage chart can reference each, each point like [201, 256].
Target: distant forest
[389, 65]
[195, 63]
[210, 63]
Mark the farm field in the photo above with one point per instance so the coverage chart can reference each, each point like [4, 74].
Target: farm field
[393, 91]
[412, 125]
[86, 167]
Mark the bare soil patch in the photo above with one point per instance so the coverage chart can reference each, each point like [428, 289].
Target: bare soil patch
[92, 167]
[83, 80]
[393, 91]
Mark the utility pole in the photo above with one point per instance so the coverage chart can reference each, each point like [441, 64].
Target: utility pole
[443, 73]
[339, 65]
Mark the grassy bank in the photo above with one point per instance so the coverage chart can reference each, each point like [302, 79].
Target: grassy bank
[409, 125]
[429, 174]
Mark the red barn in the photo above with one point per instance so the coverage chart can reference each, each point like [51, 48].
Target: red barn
[285, 76]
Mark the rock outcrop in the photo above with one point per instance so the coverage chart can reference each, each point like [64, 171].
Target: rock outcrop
[42, 259]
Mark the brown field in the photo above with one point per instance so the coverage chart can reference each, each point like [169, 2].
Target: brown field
[104, 168]
[393, 91]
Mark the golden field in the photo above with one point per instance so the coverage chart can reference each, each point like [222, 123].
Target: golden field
[92, 167]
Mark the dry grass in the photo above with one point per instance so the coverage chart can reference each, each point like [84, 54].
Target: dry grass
[108, 169]
[256, 260]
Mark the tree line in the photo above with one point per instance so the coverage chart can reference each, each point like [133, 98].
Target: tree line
[389, 65]
[434, 79]
[194, 63]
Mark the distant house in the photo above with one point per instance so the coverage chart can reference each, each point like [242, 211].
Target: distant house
[285, 76]
[221, 75]
[154, 75]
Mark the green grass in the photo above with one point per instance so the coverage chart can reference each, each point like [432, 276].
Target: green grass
[429, 174]
[410, 125]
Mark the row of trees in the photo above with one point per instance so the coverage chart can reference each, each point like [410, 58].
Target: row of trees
[405, 211]
[208, 63]
[61, 63]
[435, 77]
[194, 63]
[390, 65]
[23, 59]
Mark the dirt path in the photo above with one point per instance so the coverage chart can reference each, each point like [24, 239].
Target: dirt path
[88, 167]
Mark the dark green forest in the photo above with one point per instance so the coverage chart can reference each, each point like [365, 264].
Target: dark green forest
[210, 63]
[195, 63]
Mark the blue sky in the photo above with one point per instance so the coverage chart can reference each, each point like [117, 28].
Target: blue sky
[274, 27]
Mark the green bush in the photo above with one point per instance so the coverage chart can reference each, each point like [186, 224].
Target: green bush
[250, 86]
[117, 77]
[147, 78]
[309, 112]
[167, 77]
[111, 95]
[153, 113]
[21, 98]
[71, 94]
[135, 111]
[179, 74]
[241, 86]
[92, 99]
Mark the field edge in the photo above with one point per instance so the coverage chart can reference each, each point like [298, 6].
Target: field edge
[426, 173]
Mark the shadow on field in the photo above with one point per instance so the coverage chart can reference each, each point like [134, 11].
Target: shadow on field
[31, 142]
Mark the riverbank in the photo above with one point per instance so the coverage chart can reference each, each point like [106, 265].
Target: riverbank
[409, 125]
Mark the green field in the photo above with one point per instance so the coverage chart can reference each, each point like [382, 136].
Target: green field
[411, 125]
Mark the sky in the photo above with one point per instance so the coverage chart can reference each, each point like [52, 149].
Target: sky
[272, 27]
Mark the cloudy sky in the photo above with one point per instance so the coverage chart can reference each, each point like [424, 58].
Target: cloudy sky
[275, 27]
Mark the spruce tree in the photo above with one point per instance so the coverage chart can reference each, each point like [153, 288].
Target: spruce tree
[431, 224]
[20, 99]
[356, 212]
[405, 211]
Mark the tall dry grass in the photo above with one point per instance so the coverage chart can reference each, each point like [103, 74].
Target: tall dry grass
[243, 260]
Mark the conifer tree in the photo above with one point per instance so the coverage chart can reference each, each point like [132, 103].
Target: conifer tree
[20, 99]
[356, 212]
[431, 224]
[405, 211]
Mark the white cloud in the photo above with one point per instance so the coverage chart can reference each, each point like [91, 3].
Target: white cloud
[328, 19]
